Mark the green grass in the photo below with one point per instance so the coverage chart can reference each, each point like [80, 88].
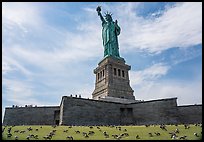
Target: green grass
[142, 131]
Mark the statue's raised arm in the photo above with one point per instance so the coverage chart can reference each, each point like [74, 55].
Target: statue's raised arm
[98, 9]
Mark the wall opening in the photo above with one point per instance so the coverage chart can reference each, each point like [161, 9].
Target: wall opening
[56, 122]
[98, 76]
[118, 72]
[56, 117]
[114, 71]
[126, 116]
[129, 112]
[123, 73]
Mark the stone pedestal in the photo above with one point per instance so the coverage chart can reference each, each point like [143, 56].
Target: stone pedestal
[112, 79]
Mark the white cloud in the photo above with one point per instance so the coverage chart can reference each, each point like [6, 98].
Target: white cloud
[90, 10]
[17, 91]
[185, 55]
[149, 74]
[178, 26]
[148, 86]
[186, 92]
[64, 46]
[9, 64]
[22, 92]
[85, 91]
[71, 51]
[6, 68]
[21, 13]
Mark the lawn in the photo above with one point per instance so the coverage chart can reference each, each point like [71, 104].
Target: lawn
[101, 132]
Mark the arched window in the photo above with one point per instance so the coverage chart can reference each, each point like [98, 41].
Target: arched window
[101, 74]
[118, 72]
[123, 73]
[114, 71]
[98, 76]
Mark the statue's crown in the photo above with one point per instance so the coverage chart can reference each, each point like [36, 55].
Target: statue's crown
[108, 14]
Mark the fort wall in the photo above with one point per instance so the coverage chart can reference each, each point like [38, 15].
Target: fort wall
[163, 111]
[80, 111]
[190, 114]
[91, 112]
[31, 115]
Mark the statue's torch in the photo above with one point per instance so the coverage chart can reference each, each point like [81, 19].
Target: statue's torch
[98, 9]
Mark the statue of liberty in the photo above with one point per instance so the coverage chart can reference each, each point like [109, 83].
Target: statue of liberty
[110, 32]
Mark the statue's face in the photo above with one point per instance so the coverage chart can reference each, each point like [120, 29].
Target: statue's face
[108, 18]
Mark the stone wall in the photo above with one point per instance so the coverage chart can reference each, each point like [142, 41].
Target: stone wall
[79, 111]
[190, 114]
[31, 115]
[163, 111]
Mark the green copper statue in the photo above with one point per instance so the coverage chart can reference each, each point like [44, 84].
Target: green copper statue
[110, 32]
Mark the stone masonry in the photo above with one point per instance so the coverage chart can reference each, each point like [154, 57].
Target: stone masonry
[80, 111]
[112, 79]
[31, 115]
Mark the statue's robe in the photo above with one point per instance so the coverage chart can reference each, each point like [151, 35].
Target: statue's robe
[110, 32]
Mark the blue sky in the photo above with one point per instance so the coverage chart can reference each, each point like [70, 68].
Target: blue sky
[51, 49]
